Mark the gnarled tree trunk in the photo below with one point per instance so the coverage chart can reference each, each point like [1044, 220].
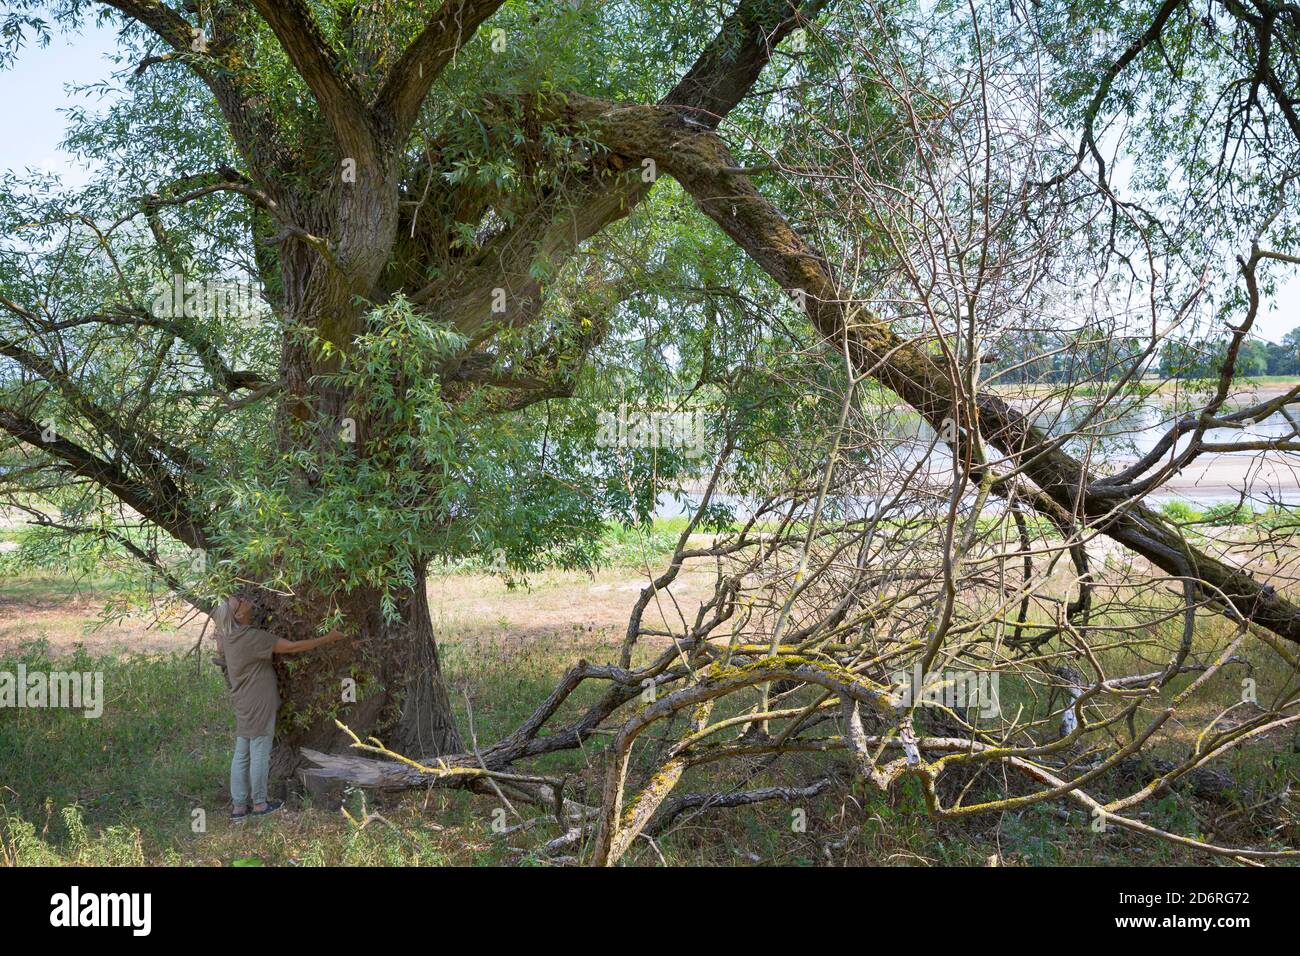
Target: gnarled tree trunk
[388, 684]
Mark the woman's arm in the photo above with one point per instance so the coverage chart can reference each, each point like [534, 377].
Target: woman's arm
[284, 646]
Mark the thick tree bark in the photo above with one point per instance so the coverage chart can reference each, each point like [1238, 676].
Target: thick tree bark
[328, 276]
[400, 694]
[427, 724]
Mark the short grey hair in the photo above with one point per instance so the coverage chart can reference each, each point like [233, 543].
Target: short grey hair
[223, 616]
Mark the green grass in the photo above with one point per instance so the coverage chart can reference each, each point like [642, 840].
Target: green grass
[159, 744]
[122, 789]
[1267, 379]
[1129, 390]
[46, 586]
[633, 547]
[1228, 513]
[37, 574]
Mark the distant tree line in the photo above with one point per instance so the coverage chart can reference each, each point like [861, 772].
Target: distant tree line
[1047, 357]
[1203, 358]
[1043, 356]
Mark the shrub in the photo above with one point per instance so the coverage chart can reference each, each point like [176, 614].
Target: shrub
[1179, 512]
[1228, 514]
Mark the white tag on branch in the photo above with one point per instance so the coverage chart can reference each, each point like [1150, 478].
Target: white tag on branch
[1069, 722]
[1074, 687]
[910, 750]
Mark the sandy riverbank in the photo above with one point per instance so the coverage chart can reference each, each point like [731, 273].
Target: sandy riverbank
[1264, 480]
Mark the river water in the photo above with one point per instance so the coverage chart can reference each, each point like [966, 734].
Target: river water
[1109, 438]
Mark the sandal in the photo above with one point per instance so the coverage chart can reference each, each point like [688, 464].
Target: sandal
[271, 807]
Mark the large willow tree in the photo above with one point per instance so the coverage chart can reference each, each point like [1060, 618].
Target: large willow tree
[437, 208]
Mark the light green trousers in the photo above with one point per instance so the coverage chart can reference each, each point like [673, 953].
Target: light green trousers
[250, 768]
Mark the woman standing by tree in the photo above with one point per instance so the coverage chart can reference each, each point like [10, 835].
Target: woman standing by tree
[248, 651]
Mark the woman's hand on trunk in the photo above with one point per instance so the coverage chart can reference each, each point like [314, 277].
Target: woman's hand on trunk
[284, 646]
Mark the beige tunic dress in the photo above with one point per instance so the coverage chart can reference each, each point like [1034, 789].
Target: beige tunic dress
[253, 689]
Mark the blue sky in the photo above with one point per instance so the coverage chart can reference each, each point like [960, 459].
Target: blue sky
[34, 91]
